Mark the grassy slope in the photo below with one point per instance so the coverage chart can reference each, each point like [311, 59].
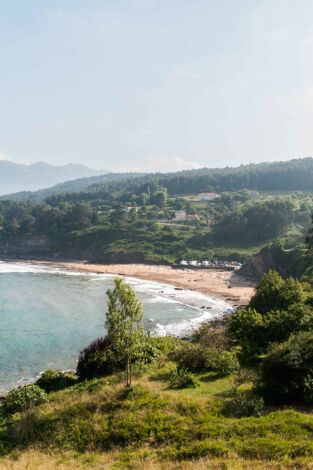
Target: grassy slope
[97, 425]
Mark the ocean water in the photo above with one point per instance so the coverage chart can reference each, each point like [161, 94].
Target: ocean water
[47, 315]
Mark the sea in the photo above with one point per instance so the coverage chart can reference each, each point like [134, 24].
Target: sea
[49, 314]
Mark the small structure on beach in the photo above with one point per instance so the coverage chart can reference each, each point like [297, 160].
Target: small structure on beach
[211, 264]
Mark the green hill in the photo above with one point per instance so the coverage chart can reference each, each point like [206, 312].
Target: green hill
[97, 424]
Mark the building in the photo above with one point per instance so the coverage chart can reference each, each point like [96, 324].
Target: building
[194, 263]
[208, 196]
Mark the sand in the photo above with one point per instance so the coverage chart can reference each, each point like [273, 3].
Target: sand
[225, 285]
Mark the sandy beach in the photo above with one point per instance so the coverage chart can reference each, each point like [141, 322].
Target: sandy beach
[225, 285]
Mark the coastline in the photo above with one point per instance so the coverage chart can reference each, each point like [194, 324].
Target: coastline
[208, 292]
[224, 285]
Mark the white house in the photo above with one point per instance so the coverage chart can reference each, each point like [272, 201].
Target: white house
[208, 196]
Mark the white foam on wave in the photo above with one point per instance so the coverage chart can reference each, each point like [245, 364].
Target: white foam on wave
[29, 268]
[185, 328]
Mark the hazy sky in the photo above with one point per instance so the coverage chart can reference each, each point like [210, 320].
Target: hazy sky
[156, 84]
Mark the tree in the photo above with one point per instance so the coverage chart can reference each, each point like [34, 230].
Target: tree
[159, 198]
[275, 293]
[245, 326]
[275, 312]
[123, 320]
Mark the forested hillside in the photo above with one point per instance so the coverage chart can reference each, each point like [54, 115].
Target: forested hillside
[293, 175]
[164, 217]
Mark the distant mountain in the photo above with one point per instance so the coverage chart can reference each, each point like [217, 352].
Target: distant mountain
[16, 177]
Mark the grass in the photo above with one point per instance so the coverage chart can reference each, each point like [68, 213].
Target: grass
[99, 425]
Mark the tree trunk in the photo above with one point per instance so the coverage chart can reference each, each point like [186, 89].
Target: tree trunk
[128, 376]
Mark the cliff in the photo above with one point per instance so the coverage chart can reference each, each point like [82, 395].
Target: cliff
[287, 262]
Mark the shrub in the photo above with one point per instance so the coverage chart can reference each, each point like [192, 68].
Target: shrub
[167, 344]
[193, 357]
[98, 359]
[183, 378]
[224, 363]
[243, 376]
[53, 380]
[24, 398]
[213, 334]
[275, 293]
[149, 351]
[287, 371]
[243, 405]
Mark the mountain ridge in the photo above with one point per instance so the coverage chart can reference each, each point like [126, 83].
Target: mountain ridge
[16, 177]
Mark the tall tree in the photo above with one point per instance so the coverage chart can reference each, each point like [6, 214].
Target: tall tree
[123, 322]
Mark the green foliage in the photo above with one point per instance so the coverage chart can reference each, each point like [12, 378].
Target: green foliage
[53, 380]
[245, 326]
[212, 334]
[276, 311]
[193, 357]
[167, 344]
[275, 293]
[245, 405]
[224, 363]
[197, 358]
[98, 359]
[24, 398]
[123, 324]
[255, 223]
[182, 378]
[287, 371]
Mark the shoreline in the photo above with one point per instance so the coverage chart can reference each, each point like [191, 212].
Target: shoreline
[223, 285]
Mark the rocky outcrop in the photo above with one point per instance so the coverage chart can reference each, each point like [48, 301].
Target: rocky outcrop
[286, 262]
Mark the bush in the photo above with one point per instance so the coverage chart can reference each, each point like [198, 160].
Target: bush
[53, 380]
[166, 344]
[197, 358]
[24, 398]
[224, 363]
[243, 405]
[149, 351]
[193, 357]
[212, 334]
[275, 293]
[246, 327]
[98, 359]
[287, 371]
[183, 378]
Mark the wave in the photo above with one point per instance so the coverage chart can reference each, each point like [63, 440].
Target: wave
[205, 307]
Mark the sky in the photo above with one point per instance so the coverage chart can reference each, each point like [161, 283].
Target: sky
[150, 85]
